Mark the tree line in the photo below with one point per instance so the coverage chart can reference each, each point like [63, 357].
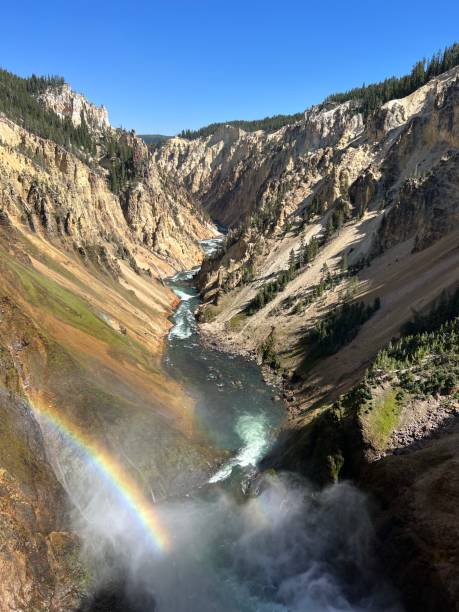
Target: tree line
[19, 102]
[297, 260]
[268, 124]
[340, 327]
[119, 159]
[423, 361]
[371, 97]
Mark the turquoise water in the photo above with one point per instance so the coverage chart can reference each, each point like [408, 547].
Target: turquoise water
[234, 410]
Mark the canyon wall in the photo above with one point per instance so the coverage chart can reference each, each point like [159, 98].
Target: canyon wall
[83, 315]
[389, 181]
[343, 227]
[69, 104]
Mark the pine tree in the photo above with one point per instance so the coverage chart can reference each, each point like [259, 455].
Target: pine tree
[300, 254]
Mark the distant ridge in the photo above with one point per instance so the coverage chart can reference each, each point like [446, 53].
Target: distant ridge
[370, 97]
[153, 139]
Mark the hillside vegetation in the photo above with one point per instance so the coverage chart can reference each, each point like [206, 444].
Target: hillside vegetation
[268, 124]
[371, 97]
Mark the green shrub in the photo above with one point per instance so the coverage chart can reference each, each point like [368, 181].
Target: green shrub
[268, 353]
[340, 327]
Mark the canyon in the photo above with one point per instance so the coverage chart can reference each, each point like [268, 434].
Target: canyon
[85, 309]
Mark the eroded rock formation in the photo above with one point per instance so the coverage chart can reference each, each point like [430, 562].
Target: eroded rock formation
[83, 314]
[69, 104]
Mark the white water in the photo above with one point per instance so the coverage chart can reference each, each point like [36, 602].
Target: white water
[210, 247]
[285, 549]
[183, 318]
[253, 431]
[185, 323]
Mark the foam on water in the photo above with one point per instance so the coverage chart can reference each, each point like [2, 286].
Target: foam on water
[184, 295]
[251, 429]
[184, 321]
[210, 247]
[183, 318]
[253, 432]
[262, 543]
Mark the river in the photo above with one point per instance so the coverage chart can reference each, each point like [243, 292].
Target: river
[245, 541]
[234, 407]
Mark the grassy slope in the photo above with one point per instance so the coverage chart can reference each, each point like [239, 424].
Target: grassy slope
[98, 365]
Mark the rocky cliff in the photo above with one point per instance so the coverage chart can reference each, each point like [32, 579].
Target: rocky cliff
[40, 564]
[343, 228]
[376, 192]
[52, 191]
[68, 104]
[233, 172]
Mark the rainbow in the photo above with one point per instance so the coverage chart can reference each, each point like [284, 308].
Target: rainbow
[126, 489]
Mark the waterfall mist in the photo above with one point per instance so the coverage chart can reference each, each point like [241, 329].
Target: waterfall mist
[281, 547]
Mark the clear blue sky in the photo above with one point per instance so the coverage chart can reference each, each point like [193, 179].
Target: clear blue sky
[163, 66]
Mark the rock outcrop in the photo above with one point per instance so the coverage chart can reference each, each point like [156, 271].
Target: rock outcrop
[40, 564]
[68, 104]
[337, 208]
[55, 193]
[377, 191]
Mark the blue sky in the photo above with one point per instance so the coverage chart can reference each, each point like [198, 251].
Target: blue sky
[160, 67]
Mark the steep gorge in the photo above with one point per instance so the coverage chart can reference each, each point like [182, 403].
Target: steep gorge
[341, 207]
[378, 192]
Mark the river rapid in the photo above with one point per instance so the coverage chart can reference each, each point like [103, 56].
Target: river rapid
[234, 409]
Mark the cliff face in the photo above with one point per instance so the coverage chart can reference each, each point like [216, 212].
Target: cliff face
[50, 190]
[83, 315]
[160, 212]
[334, 152]
[233, 172]
[378, 192]
[339, 208]
[40, 565]
[68, 104]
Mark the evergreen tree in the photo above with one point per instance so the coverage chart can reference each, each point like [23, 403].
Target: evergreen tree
[268, 124]
[300, 254]
[369, 97]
